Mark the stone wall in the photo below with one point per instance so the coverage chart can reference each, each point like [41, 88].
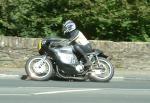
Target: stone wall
[14, 51]
[127, 55]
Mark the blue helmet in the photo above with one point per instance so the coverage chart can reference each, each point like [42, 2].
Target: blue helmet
[69, 26]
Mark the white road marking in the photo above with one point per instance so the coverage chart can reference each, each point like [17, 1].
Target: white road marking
[8, 75]
[85, 89]
[65, 91]
[14, 94]
[118, 77]
[73, 90]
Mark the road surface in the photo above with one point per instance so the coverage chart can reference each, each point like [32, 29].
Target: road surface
[15, 90]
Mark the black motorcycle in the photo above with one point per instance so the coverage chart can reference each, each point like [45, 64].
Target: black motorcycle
[58, 59]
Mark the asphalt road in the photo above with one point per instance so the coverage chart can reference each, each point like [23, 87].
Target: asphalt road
[15, 90]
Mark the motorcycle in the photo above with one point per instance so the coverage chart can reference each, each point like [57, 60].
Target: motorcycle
[58, 59]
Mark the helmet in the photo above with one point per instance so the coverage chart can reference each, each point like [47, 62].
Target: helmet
[69, 26]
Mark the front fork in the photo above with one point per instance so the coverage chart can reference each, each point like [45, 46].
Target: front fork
[97, 60]
[42, 61]
[94, 59]
[38, 66]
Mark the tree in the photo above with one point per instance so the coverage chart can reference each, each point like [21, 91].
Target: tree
[117, 20]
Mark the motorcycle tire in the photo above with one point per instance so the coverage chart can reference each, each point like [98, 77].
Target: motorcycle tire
[93, 76]
[34, 71]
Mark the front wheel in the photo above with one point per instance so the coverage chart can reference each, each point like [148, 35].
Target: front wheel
[102, 70]
[39, 68]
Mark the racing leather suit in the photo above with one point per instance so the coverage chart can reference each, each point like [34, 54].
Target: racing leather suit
[81, 44]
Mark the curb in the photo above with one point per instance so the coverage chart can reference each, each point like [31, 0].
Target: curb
[131, 78]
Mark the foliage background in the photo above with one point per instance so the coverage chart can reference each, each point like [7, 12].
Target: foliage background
[116, 20]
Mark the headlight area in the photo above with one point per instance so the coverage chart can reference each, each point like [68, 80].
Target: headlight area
[41, 42]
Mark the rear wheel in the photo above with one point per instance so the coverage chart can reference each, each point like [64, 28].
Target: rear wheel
[39, 68]
[102, 70]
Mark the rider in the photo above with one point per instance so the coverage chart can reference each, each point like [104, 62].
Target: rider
[81, 44]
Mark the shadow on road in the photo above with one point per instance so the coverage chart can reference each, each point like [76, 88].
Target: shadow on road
[26, 77]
